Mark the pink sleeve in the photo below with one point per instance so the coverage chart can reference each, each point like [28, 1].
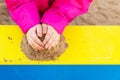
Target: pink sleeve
[63, 12]
[24, 13]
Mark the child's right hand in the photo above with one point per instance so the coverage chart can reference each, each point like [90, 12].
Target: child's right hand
[32, 37]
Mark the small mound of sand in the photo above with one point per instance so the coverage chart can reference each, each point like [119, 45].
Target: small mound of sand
[45, 54]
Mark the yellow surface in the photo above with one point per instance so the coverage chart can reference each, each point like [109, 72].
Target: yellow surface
[87, 45]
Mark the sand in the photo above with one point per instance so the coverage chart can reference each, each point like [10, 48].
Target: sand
[102, 12]
[45, 54]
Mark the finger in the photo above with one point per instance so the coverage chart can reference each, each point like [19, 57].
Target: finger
[47, 37]
[53, 45]
[55, 41]
[50, 42]
[36, 39]
[34, 45]
[39, 31]
[44, 28]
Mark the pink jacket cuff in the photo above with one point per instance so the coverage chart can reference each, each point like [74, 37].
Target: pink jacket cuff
[55, 19]
[26, 16]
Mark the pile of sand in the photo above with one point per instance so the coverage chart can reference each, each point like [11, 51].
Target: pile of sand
[45, 54]
[102, 12]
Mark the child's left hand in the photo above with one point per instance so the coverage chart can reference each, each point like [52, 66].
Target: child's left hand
[52, 36]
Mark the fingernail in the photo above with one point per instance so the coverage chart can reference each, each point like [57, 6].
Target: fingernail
[44, 32]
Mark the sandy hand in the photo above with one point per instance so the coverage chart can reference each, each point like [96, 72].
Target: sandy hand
[52, 36]
[51, 39]
[33, 37]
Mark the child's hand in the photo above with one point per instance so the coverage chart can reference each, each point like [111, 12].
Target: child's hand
[52, 36]
[32, 37]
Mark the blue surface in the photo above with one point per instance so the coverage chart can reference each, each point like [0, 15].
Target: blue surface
[60, 72]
